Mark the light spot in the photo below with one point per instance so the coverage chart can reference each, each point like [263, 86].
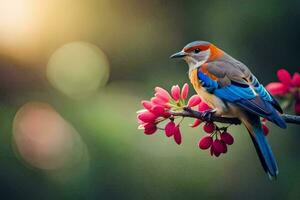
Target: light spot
[78, 69]
[44, 140]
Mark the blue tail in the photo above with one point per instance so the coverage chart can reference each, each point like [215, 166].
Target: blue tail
[262, 147]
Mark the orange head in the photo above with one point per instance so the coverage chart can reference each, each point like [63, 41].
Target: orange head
[197, 53]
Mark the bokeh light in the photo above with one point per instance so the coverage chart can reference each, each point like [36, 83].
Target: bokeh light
[78, 69]
[44, 139]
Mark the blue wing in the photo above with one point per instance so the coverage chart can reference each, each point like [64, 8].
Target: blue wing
[251, 97]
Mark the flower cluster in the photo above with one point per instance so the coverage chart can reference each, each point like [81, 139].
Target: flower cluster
[162, 109]
[287, 88]
[216, 140]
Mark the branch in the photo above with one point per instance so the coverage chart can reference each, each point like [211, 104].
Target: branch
[187, 112]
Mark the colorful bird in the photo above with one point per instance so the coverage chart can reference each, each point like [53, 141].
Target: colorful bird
[229, 87]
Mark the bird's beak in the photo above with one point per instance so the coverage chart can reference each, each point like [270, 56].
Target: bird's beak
[179, 54]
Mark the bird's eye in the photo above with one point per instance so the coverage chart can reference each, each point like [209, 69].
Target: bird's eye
[197, 50]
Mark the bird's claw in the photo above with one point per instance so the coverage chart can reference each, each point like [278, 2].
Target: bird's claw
[207, 115]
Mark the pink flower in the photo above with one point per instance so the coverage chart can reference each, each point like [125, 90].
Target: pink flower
[185, 91]
[147, 105]
[194, 101]
[177, 135]
[205, 142]
[160, 111]
[150, 128]
[209, 127]
[284, 77]
[158, 101]
[170, 129]
[162, 94]
[147, 117]
[202, 107]
[227, 138]
[276, 88]
[196, 123]
[175, 91]
[282, 87]
[217, 146]
[164, 106]
[287, 85]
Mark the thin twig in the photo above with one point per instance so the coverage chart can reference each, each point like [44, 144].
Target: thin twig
[187, 112]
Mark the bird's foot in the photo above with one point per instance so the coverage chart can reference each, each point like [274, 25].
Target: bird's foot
[207, 115]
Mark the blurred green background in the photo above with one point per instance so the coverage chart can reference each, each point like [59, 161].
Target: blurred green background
[90, 62]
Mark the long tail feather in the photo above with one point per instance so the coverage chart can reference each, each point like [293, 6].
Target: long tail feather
[262, 147]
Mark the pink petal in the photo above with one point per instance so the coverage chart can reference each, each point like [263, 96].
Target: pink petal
[147, 105]
[175, 91]
[158, 110]
[170, 128]
[218, 146]
[205, 142]
[147, 117]
[185, 91]
[284, 77]
[162, 93]
[203, 107]
[277, 88]
[227, 138]
[162, 98]
[196, 123]
[296, 80]
[157, 101]
[177, 135]
[209, 127]
[194, 100]
[297, 107]
[150, 128]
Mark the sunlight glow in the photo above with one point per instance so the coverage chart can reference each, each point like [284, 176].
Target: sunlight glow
[15, 18]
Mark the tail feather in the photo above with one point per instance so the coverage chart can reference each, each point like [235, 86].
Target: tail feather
[262, 147]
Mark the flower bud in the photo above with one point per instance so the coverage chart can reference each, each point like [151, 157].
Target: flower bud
[227, 138]
[203, 107]
[158, 110]
[209, 127]
[185, 91]
[147, 105]
[149, 128]
[194, 100]
[162, 94]
[170, 128]
[147, 117]
[196, 123]
[175, 91]
[218, 146]
[177, 135]
[205, 142]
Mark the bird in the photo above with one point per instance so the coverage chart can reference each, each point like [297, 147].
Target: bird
[231, 90]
